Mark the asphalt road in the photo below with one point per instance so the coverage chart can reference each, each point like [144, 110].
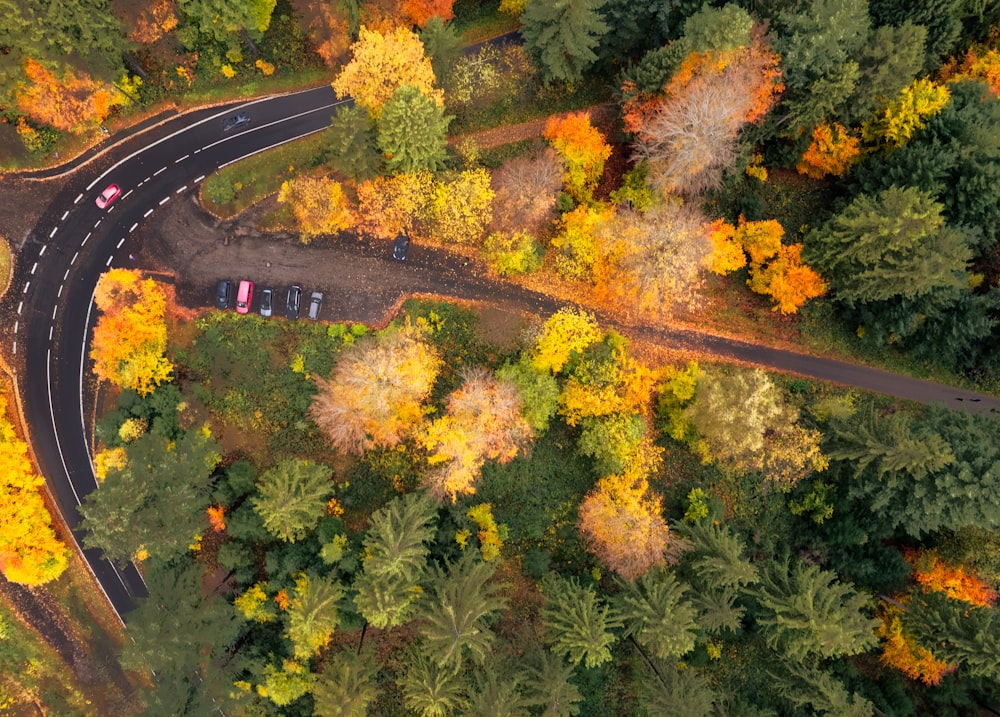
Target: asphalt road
[51, 297]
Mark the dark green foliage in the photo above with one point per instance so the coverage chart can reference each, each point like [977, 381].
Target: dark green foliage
[819, 44]
[942, 18]
[442, 44]
[156, 503]
[177, 640]
[412, 132]
[158, 409]
[351, 143]
[956, 158]
[891, 58]
[668, 690]
[940, 470]
[802, 686]
[564, 36]
[547, 681]
[656, 67]
[974, 547]
[807, 612]
[539, 391]
[634, 27]
[957, 632]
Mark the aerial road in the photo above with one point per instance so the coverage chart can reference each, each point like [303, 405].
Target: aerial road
[51, 297]
[76, 240]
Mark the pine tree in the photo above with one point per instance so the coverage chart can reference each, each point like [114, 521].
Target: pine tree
[412, 131]
[717, 556]
[347, 685]
[350, 142]
[808, 612]
[578, 624]
[957, 633]
[312, 614]
[292, 498]
[668, 690]
[563, 36]
[455, 612]
[432, 690]
[811, 686]
[395, 560]
[657, 612]
[547, 685]
[495, 693]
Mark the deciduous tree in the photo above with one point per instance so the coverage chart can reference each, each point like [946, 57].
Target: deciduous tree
[223, 22]
[291, 497]
[460, 207]
[412, 131]
[895, 124]
[583, 151]
[980, 62]
[419, 12]
[30, 552]
[131, 334]
[833, 150]
[622, 524]
[318, 204]
[563, 36]
[381, 64]
[389, 206]
[376, 392]
[567, 332]
[483, 422]
[688, 135]
[327, 26]
[73, 103]
[787, 280]
[525, 190]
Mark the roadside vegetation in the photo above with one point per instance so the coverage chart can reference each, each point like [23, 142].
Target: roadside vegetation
[6, 265]
[415, 520]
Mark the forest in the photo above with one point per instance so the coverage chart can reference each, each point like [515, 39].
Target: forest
[423, 518]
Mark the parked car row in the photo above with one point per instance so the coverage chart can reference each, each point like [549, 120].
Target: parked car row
[244, 299]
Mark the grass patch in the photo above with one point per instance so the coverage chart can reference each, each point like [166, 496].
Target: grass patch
[234, 188]
[6, 265]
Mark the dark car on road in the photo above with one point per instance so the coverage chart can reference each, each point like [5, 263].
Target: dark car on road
[240, 119]
[223, 291]
[294, 300]
[401, 247]
[266, 299]
[315, 304]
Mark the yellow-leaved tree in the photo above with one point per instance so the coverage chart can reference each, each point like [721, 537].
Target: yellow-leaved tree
[319, 206]
[131, 334]
[567, 331]
[376, 392]
[483, 422]
[388, 206]
[460, 208]
[381, 64]
[30, 552]
[917, 103]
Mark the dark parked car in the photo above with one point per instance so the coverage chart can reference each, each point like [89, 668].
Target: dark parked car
[315, 303]
[294, 299]
[400, 248]
[223, 291]
[240, 119]
[266, 299]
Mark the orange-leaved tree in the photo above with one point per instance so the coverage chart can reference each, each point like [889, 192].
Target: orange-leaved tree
[901, 650]
[833, 150]
[381, 64]
[318, 204]
[956, 581]
[688, 133]
[73, 103]
[388, 206]
[30, 552]
[981, 62]
[131, 334]
[788, 280]
[326, 24]
[622, 524]
[149, 21]
[418, 12]
[583, 151]
[483, 422]
[376, 392]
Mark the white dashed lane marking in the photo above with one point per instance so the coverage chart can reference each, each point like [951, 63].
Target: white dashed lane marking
[65, 214]
[148, 212]
[181, 189]
[33, 268]
[53, 232]
[78, 198]
[164, 201]
[159, 171]
[122, 241]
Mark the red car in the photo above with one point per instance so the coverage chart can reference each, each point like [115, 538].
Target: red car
[108, 195]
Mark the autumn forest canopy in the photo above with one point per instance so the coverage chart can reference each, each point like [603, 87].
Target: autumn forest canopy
[425, 519]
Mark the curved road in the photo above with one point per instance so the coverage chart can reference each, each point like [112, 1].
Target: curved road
[51, 297]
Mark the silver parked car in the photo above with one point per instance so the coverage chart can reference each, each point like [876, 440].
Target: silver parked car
[315, 303]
